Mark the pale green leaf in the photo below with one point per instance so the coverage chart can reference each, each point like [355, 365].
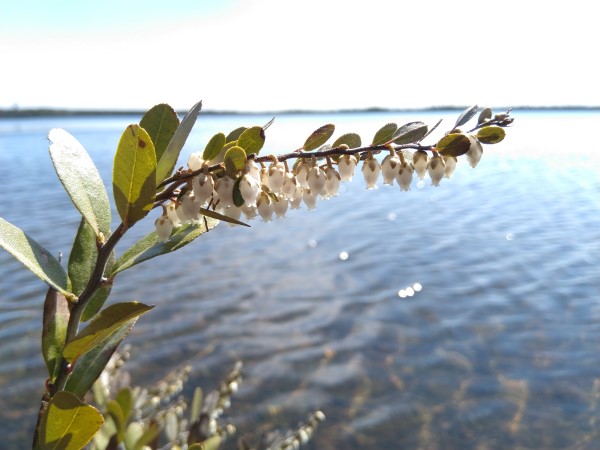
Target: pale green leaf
[134, 175]
[235, 160]
[409, 133]
[166, 163]
[235, 134]
[252, 140]
[68, 423]
[214, 146]
[490, 135]
[160, 122]
[33, 256]
[116, 413]
[106, 323]
[454, 144]
[54, 331]
[384, 134]
[466, 115]
[319, 137]
[81, 180]
[486, 114]
[352, 140]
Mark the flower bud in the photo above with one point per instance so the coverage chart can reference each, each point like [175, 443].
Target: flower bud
[302, 170]
[224, 188]
[405, 176]
[280, 206]
[389, 168]
[420, 160]
[332, 183]
[265, 207]
[172, 214]
[450, 162]
[164, 227]
[276, 176]
[316, 180]
[249, 188]
[195, 161]
[475, 151]
[346, 166]
[296, 200]
[310, 199]
[370, 170]
[203, 186]
[436, 168]
[289, 185]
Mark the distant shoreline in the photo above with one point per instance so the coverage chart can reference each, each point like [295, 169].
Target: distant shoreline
[52, 112]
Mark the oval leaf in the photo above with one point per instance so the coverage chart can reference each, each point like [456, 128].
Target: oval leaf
[490, 135]
[160, 122]
[466, 115]
[68, 423]
[409, 133]
[54, 331]
[90, 365]
[486, 114]
[238, 200]
[252, 140]
[214, 146]
[384, 134]
[81, 179]
[106, 323]
[319, 137]
[454, 144]
[352, 140]
[235, 134]
[134, 175]
[235, 160]
[33, 256]
[150, 247]
[166, 163]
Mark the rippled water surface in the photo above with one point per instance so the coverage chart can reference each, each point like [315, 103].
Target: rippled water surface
[464, 317]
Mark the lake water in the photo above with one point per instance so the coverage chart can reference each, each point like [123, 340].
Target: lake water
[498, 347]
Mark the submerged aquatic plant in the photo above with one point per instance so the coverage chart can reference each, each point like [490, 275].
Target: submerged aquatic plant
[228, 181]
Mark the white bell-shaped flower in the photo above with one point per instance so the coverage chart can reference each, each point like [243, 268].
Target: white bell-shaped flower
[203, 186]
[296, 200]
[172, 214]
[276, 176]
[389, 168]
[164, 228]
[190, 207]
[180, 213]
[289, 185]
[280, 206]
[405, 176]
[233, 212]
[371, 169]
[302, 170]
[250, 212]
[420, 160]
[475, 151]
[436, 169]
[195, 161]
[224, 189]
[265, 207]
[332, 184]
[310, 199]
[450, 162]
[316, 180]
[346, 166]
[264, 177]
[249, 188]
[252, 168]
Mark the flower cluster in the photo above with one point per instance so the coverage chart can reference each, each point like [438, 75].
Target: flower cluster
[269, 191]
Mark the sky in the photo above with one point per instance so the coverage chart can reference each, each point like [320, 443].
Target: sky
[273, 55]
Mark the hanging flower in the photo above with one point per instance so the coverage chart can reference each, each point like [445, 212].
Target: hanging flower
[265, 207]
[252, 168]
[276, 176]
[203, 186]
[475, 151]
[190, 207]
[233, 212]
[296, 200]
[420, 160]
[249, 188]
[289, 185]
[310, 199]
[164, 228]
[224, 189]
[405, 176]
[371, 169]
[316, 180]
[389, 168]
[195, 161]
[332, 183]
[172, 214]
[302, 170]
[280, 206]
[436, 168]
[346, 166]
[450, 162]
[250, 212]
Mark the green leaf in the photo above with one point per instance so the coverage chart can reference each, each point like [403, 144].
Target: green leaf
[150, 247]
[147, 437]
[252, 140]
[82, 258]
[235, 160]
[90, 365]
[352, 140]
[167, 161]
[54, 331]
[134, 175]
[466, 115]
[160, 122]
[116, 413]
[235, 134]
[319, 137]
[196, 407]
[81, 180]
[409, 133]
[68, 423]
[384, 134]
[106, 323]
[125, 400]
[33, 256]
[214, 146]
[238, 200]
[98, 298]
[486, 114]
[491, 134]
[212, 443]
[454, 144]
